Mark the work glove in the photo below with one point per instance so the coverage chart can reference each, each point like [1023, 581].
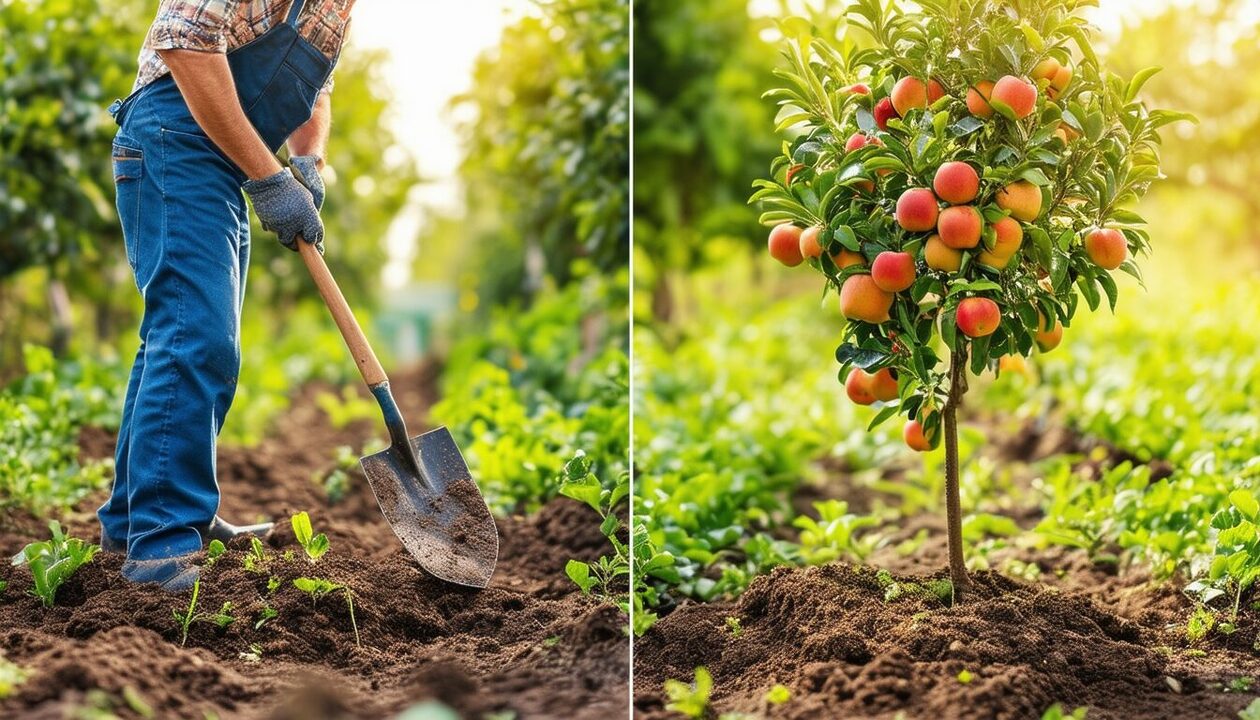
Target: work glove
[306, 169]
[285, 207]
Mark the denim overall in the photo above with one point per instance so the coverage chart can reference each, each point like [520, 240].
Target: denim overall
[186, 229]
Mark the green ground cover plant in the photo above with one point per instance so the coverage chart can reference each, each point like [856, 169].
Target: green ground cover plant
[52, 562]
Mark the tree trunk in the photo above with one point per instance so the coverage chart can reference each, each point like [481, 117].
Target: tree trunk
[62, 317]
[953, 506]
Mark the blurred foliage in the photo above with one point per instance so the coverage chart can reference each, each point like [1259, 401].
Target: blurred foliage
[61, 63]
[546, 140]
[700, 130]
[524, 397]
[40, 418]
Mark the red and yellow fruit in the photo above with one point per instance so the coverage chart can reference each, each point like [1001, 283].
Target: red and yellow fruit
[978, 99]
[1056, 75]
[785, 244]
[914, 437]
[862, 299]
[846, 257]
[1107, 248]
[960, 226]
[940, 256]
[1009, 236]
[956, 183]
[858, 387]
[810, 245]
[883, 385]
[883, 112]
[858, 89]
[893, 271]
[1048, 339]
[917, 210]
[978, 317]
[1022, 199]
[1016, 93]
[909, 93]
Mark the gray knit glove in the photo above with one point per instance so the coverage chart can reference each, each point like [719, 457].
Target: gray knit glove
[306, 169]
[285, 206]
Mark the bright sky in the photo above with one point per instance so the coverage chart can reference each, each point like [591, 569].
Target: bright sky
[433, 47]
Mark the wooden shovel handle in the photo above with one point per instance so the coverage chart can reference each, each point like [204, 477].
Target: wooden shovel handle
[369, 366]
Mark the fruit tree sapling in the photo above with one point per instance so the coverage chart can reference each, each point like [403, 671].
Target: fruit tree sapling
[966, 204]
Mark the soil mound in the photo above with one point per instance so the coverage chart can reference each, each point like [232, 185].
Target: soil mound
[844, 650]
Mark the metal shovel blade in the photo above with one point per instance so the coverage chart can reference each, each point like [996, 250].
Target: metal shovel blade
[440, 518]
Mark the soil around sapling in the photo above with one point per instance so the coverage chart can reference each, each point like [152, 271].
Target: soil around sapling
[1086, 634]
[529, 644]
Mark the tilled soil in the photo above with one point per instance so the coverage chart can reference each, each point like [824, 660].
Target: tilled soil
[1086, 635]
[530, 644]
[831, 637]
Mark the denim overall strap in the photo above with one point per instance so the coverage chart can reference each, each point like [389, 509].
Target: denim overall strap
[294, 11]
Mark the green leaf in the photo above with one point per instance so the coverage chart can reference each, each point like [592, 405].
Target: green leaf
[1139, 79]
[1246, 503]
[580, 573]
[301, 523]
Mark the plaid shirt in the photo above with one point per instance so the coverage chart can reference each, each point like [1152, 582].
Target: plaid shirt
[223, 25]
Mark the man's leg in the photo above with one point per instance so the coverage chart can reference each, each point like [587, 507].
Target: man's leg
[189, 277]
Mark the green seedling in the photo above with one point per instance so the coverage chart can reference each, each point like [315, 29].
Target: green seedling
[214, 551]
[965, 676]
[319, 587]
[1201, 622]
[1240, 684]
[266, 614]
[52, 562]
[691, 700]
[837, 534]
[185, 619]
[223, 617]
[1251, 712]
[4, 585]
[11, 675]
[257, 557]
[336, 482]
[734, 626]
[942, 589]
[273, 584]
[778, 695]
[315, 545]
[1056, 712]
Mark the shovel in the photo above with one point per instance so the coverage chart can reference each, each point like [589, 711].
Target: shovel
[422, 484]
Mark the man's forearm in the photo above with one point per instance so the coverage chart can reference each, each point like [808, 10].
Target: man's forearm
[205, 81]
[312, 137]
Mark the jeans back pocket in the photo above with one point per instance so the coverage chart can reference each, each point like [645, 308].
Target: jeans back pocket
[128, 165]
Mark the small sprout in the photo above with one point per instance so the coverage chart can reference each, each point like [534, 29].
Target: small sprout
[734, 626]
[266, 614]
[1241, 684]
[551, 642]
[1251, 712]
[214, 551]
[257, 556]
[136, 702]
[965, 677]
[223, 618]
[11, 675]
[253, 655]
[691, 700]
[778, 695]
[186, 618]
[1056, 712]
[4, 585]
[288, 556]
[319, 587]
[52, 562]
[315, 545]
[1200, 624]
[1194, 653]
[273, 584]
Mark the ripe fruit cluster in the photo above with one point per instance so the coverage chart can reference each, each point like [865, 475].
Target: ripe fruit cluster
[949, 192]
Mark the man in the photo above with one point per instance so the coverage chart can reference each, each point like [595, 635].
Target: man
[222, 85]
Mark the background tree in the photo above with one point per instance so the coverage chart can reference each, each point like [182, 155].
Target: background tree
[699, 131]
[546, 163]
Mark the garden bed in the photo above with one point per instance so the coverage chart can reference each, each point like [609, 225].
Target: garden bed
[530, 644]
[1087, 634]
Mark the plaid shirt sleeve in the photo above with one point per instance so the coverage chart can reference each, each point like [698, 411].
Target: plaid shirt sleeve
[190, 25]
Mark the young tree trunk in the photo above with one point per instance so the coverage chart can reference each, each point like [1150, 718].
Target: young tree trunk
[953, 506]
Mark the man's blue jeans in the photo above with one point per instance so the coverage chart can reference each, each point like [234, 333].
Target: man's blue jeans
[186, 227]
